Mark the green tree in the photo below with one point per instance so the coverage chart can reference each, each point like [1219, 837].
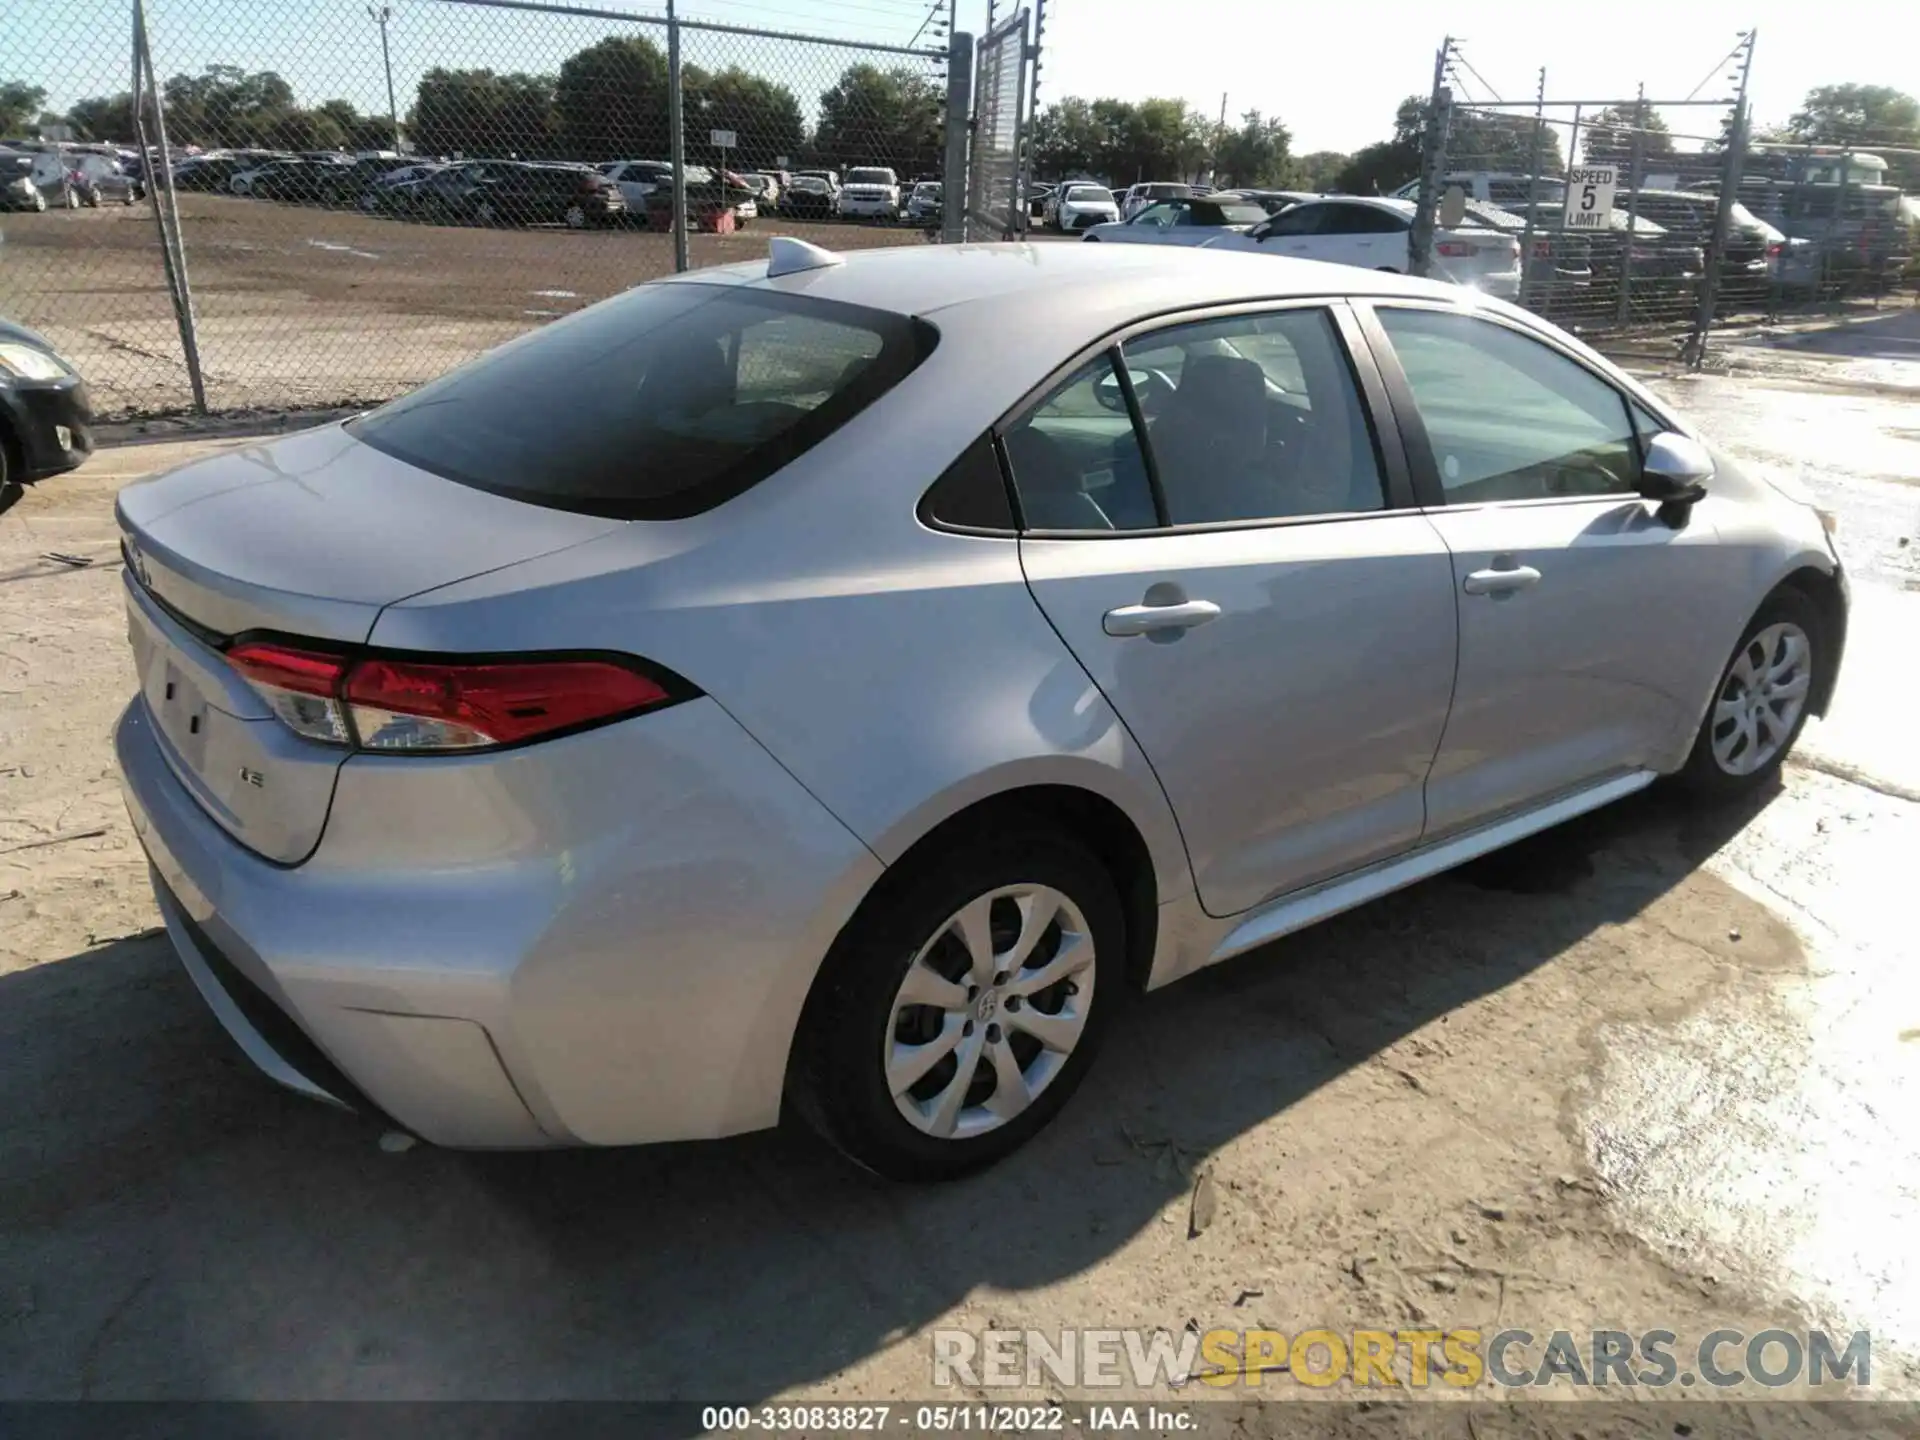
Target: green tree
[1316, 171]
[477, 113]
[1255, 154]
[764, 117]
[1387, 164]
[357, 131]
[19, 103]
[610, 101]
[1073, 137]
[871, 116]
[226, 105]
[1864, 116]
[103, 117]
[1609, 140]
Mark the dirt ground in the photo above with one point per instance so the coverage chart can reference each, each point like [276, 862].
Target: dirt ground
[301, 307]
[1648, 1071]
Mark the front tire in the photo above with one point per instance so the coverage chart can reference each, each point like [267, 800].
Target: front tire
[1761, 702]
[961, 1007]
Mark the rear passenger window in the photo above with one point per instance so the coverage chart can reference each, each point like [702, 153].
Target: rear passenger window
[1076, 460]
[1255, 417]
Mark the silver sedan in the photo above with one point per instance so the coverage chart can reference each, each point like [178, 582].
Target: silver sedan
[626, 736]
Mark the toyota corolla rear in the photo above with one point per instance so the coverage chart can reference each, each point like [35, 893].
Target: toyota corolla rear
[436, 831]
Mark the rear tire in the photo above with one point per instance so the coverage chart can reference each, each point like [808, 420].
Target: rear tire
[902, 978]
[1761, 703]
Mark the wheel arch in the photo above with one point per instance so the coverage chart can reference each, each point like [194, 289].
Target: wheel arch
[1827, 594]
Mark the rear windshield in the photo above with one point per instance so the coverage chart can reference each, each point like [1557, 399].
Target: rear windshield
[1092, 194]
[869, 177]
[657, 404]
[1167, 192]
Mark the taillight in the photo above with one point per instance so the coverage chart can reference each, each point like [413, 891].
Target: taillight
[1773, 251]
[422, 707]
[302, 687]
[1542, 249]
[1455, 248]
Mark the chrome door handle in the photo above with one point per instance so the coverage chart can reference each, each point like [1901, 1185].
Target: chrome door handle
[1147, 619]
[1501, 582]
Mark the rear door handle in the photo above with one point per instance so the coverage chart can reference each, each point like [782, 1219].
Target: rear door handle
[1501, 582]
[1148, 619]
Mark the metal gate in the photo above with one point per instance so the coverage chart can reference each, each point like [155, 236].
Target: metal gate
[996, 206]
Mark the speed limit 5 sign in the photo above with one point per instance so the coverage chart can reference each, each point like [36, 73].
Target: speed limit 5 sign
[1590, 196]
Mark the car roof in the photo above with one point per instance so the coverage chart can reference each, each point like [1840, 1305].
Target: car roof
[1074, 286]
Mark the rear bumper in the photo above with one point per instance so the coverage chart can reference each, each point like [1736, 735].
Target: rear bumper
[594, 941]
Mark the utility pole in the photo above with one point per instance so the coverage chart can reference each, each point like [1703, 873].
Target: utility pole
[380, 15]
[1696, 348]
[1433, 156]
[1533, 183]
[1219, 137]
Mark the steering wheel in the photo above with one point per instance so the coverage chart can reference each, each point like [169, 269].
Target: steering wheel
[1579, 474]
[1152, 388]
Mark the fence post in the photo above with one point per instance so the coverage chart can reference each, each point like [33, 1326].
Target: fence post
[1695, 352]
[166, 208]
[677, 142]
[1633, 210]
[1533, 192]
[956, 183]
[1433, 164]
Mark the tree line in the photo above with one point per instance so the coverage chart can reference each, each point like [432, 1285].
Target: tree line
[606, 102]
[1125, 142]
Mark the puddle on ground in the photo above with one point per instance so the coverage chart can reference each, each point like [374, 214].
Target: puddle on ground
[1772, 1136]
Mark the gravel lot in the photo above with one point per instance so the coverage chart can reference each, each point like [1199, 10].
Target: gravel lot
[301, 307]
[1645, 1071]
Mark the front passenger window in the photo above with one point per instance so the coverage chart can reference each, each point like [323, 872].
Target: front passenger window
[1510, 418]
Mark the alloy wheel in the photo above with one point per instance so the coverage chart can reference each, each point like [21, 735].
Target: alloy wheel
[576, 217]
[989, 1011]
[1761, 698]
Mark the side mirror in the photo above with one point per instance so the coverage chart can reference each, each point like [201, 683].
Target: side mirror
[1675, 473]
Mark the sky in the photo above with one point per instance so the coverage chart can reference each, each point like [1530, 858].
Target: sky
[1333, 72]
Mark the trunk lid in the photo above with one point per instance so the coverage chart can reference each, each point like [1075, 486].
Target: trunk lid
[309, 537]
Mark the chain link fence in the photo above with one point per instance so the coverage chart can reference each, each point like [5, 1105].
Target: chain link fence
[367, 195]
[1622, 226]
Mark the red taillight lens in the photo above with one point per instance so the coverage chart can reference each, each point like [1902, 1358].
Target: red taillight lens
[1773, 251]
[1455, 248]
[407, 706]
[1542, 249]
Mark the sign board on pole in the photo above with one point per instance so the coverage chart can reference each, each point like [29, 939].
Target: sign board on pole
[1590, 196]
[724, 139]
[779, 162]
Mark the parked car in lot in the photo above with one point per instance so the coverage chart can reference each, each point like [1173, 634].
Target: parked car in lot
[809, 197]
[1192, 221]
[1138, 197]
[1271, 201]
[1688, 217]
[1081, 207]
[45, 418]
[516, 192]
[103, 180]
[1559, 268]
[298, 181]
[638, 179]
[766, 189]
[926, 205]
[677, 635]
[35, 180]
[215, 171]
[870, 193]
[1373, 232]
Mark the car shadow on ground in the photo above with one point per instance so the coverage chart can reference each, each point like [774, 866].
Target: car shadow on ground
[177, 1228]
